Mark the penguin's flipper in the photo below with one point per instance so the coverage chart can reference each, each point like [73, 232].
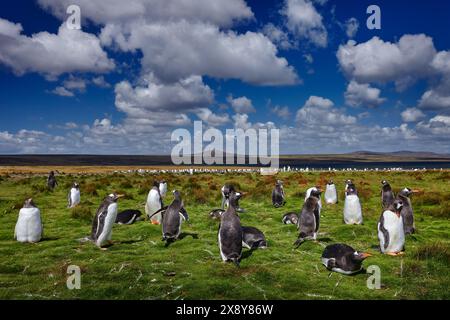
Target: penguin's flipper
[69, 200]
[162, 211]
[331, 263]
[184, 213]
[385, 232]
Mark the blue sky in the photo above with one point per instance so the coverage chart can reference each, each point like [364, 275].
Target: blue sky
[138, 70]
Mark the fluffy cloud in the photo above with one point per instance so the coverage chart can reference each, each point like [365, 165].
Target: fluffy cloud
[304, 21]
[412, 115]
[318, 112]
[241, 104]
[351, 27]
[362, 95]
[51, 54]
[63, 92]
[282, 112]
[211, 118]
[100, 82]
[278, 36]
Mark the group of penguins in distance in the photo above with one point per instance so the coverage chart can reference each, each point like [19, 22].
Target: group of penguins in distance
[395, 222]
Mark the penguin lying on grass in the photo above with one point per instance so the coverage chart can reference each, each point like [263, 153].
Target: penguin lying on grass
[308, 223]
[128, 216]
[172, 218]
[253, 238]
[290, 218]
[390, 230]
[343, 259]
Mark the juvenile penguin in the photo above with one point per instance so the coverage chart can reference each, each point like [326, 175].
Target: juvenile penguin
[73, 198]
[230, 232]
[153, 204]
[407, 211]
[352, 208]
[349, 184]
[253, 238]
[343, 258]
[331, 193]
[163, 188]
[104, 220]
[128, 216]
[390, 229]
[51, 181]
[309, 220]
[278, 195]
[387, 196]
[290, 218]
[308, 194]
[172, 218]
[29, 225]
[226, 190]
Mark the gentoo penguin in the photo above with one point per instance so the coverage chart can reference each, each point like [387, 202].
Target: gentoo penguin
[308, 222]
[352, 208]
[73, 198]
[278, 196]
[349, 184]
[104, 220]
[230, 232]
[226, 190]
[290, 218]
[29, 225]
[387, 196]
[154, 203]
[216, 213]
[128, 216]
[407, 211]
[51, 181]
[253, 238]
[163, 188]
[172, 217]
[390, 229]
[331, 193]
[343, 258]
[308, 194]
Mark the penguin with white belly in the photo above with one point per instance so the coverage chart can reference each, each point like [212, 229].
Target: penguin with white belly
[129, 216]
[349, 184]
[309, 220]
[308, 194]
[29, 225]
[172, 218]
[253, 238]
[390, 230]
[352, 208]
[104, 220]
[343, 259]
[162, 188]
[331, 193]
[290, 218]
[278, 195]
[387, 195]
[230, 232]
[226, 190]
[153, 204]
[407, 211]
[73, 198]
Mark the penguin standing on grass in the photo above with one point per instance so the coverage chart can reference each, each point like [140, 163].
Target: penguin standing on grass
[331, 193]
[172, 218]
[387, 196]
[390, 230]
[278, 195]
[230, 232]
[309, 220]
[73, 198]
[154, 204]
[309, 192]
[352, 207]
[343, 259]
[226, 191]
[29, 225]
[104, 220]
[51, 181]
[407, 211]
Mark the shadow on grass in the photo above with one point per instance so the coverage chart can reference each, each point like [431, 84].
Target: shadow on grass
[49, 239]
[180, 237]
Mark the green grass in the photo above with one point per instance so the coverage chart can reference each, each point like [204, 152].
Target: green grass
[138, 266]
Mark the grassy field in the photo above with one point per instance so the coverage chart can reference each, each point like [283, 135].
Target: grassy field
[139, 266]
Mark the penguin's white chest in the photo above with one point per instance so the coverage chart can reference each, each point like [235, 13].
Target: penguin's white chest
[110, 219]
[29, 225]
[330, 194]
[163, 189]
[394, 226]
[153, 204]
[74, 197]
[352, 210]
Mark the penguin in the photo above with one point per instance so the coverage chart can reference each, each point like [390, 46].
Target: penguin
[407, 211]
[331, 193]
[216, 213]
[226, 190]
[154, 203]
[352, 208]
[51, 180]
[172, 217]
[343, 259]
[390, 229]
[128, 216]
[278, 195]
[230, 232]
[290, 218]
[387, 196]
[253, 238]
[163, 188]
[308, 194]
[309, 220]
[73, 197]
[104, 220]
[29, 226]
[349, 184]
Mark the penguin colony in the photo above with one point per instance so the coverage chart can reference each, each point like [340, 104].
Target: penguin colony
[396, 220]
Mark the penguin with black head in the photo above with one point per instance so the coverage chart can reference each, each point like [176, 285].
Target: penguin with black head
[290, 218]
[309, 220]
[51, 181]
[387, 195]
[390, 229]
[253, 238]
[129, 216]
[352, 207]
[73, 197]
[349, 184]
[407, 210]
[230, 232]
[343, 259]
[278, 195]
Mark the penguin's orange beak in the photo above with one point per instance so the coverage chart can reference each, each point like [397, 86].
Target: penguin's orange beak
[366, 255]
[416, 191]
[120, 195]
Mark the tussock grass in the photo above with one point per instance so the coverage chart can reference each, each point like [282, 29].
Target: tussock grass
[82, 212]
